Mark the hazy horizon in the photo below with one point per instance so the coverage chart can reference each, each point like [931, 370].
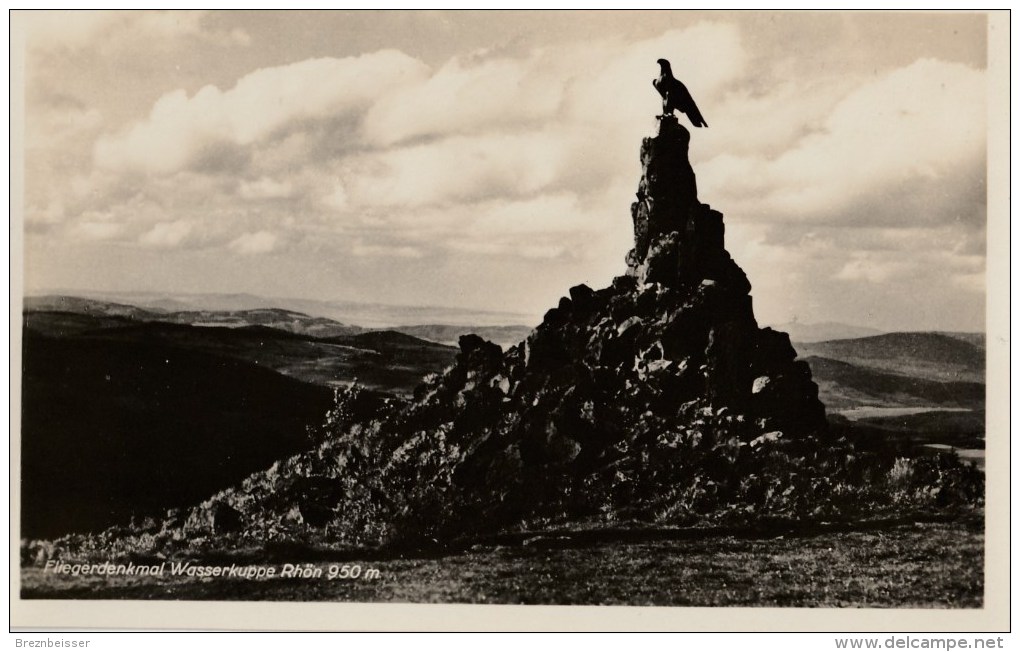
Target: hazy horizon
[486, 161]
[489, 317]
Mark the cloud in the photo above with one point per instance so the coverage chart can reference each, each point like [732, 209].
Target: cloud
[167, 234]
[71, 30]
[179, 128]
[58, 121]
[465, 96]
[592, 82]
[52, 213]
[96, 230]
[867, 268]
[455, 169]
[265, 188]
[922, 125]
[260, 242]
[361, 249]
[844, 177]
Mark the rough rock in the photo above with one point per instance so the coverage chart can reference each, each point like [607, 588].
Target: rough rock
[214, 518]
[607, 368]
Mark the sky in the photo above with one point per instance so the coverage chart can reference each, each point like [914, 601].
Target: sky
[487, 160]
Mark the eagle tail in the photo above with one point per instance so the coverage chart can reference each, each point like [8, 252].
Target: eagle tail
[695, 115]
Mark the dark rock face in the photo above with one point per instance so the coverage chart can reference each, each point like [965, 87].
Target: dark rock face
[216, 518]
[679, 327]
[674, 338]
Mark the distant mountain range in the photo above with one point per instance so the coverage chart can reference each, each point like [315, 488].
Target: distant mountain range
[311, 349]
[278, 318]
[314, 356]
[820, 332]
[366, 315]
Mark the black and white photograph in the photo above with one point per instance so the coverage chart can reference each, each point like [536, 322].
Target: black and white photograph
[664, 309]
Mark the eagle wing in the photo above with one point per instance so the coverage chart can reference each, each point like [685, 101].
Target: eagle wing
[682, 100]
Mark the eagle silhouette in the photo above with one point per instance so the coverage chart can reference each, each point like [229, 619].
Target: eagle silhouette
[675, 95]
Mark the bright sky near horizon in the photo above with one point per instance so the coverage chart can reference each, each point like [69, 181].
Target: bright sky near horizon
[488, 160]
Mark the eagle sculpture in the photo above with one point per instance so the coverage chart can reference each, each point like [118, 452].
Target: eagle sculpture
[675, 95]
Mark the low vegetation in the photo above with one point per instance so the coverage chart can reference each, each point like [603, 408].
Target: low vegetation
[923, 565]
[360, 488]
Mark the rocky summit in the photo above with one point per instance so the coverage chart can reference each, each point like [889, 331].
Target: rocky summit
[657, 398]
[672, 339]
[650, 398]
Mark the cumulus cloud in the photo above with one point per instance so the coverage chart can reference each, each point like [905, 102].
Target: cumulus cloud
[501, 90]
[873, 178]
[179, 128]
[592, 82]
[923, 124]
[455, 169]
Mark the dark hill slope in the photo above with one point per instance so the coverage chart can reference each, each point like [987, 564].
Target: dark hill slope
[844, 385]
[976, 339]
[390, 363]
[932, 356]
[92, 307]
[116, 426]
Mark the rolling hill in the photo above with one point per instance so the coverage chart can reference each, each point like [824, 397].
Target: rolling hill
[505, 336]
[824, 331]
[280, 319]
[387, 362]
[845, 385]
[930, 356]
[113, 427]
[122, 416]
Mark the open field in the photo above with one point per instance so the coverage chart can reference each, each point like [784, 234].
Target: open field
[934, 565]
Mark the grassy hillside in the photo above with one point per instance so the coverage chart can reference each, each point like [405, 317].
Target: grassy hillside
[921, 565]
[844, 385]
[929, 356]
[116, 426]
[92, 307]
[378, 360]
[976, 339]
[123, 417]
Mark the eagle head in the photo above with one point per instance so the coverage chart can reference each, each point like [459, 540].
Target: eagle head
[663, 63]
